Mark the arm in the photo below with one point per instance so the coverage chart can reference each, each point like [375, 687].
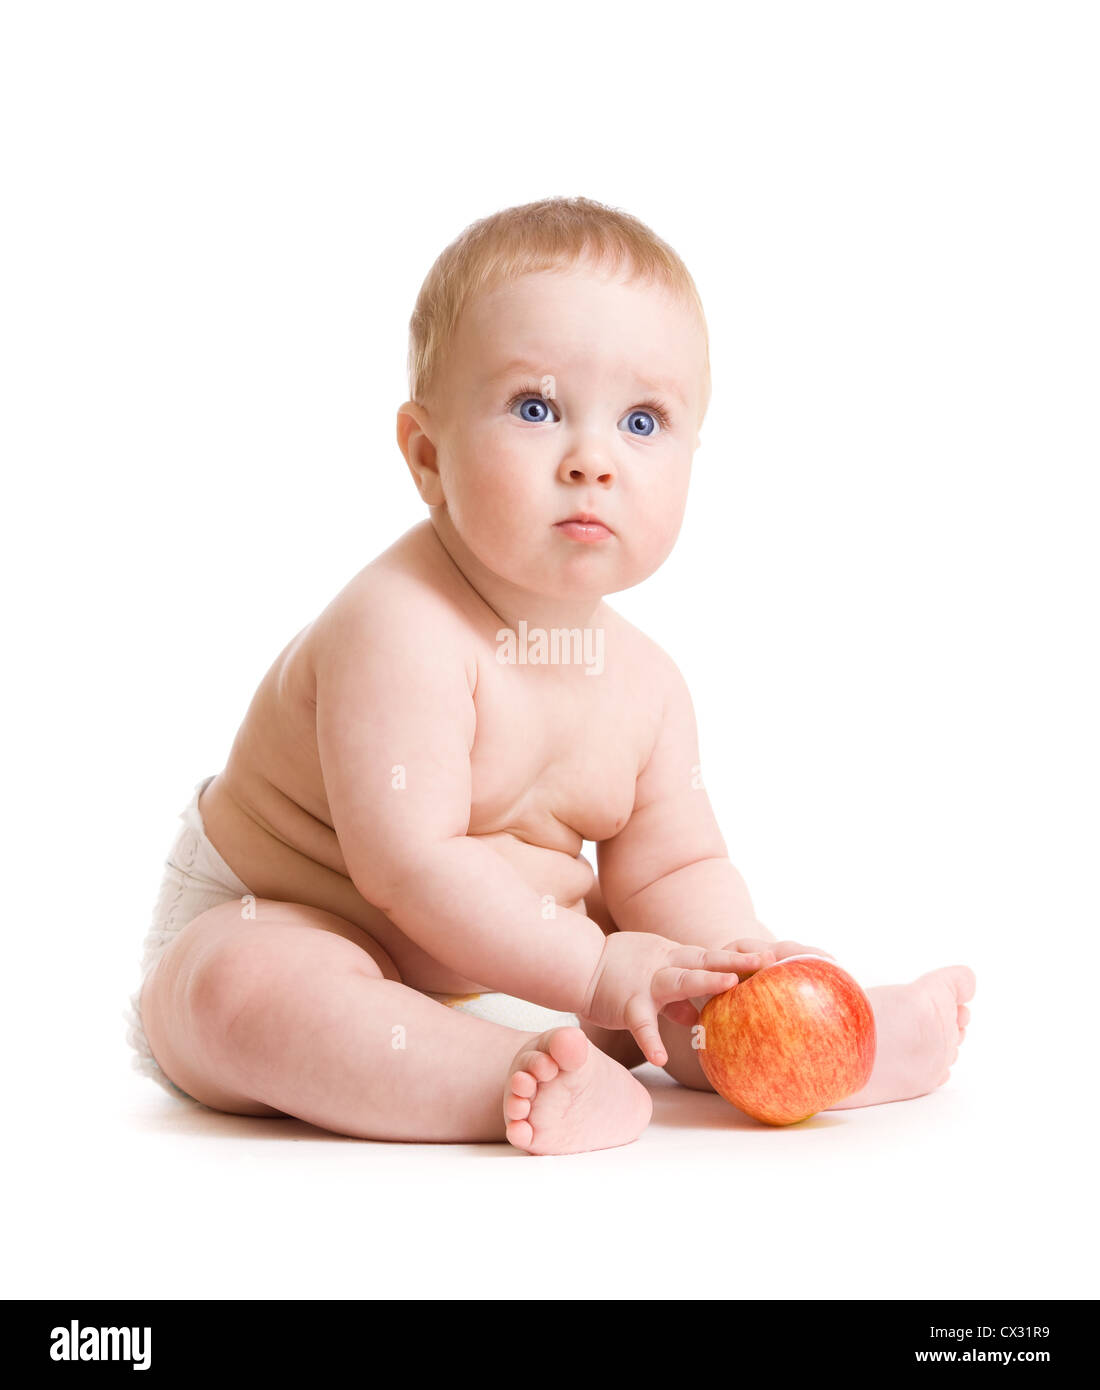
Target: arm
[395, 725]
[668, 870]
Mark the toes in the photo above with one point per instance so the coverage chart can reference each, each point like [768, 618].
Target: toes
[962, 1034]
[963, 982]
[520, 1134]
[540, 1066]
[563, 1049]
[568, 1047]
[517, 1108]
[524, 1084]
[964, 1015]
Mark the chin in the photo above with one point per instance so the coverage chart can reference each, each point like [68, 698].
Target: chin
[628, 576]
[584, 574]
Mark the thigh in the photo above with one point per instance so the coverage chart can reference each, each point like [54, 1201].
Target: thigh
[218, 961]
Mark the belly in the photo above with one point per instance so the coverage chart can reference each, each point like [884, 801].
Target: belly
[285, 853]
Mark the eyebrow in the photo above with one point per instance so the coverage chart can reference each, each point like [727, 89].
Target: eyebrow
[523, 364]
[518, 364]
[668, 387]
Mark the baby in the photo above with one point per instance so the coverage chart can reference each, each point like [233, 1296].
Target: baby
[377, 917]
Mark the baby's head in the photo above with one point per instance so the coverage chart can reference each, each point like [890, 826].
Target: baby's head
[558, 366]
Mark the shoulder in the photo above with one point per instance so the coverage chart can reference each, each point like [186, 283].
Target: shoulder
[649, 668]
[397, 609]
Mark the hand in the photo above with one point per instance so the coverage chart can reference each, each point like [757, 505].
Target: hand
[779, 949]
[770, 952]
[640, 975]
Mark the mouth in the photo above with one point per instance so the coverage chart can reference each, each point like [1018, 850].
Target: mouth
[584, 527]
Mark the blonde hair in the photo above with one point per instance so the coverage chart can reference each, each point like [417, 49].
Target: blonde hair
[546, 235]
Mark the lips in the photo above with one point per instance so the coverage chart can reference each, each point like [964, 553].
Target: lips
[584, 526]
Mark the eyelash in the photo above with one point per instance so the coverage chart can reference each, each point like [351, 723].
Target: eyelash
[654, 406]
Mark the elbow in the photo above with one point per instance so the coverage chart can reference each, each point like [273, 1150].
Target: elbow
[396, 885]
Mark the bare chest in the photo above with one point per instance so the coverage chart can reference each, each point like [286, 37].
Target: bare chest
[555, 758]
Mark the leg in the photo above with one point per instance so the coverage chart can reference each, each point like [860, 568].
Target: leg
[920, 1027]
[299, 1012]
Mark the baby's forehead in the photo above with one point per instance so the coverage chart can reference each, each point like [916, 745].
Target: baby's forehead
[545, 324]
[549, 282]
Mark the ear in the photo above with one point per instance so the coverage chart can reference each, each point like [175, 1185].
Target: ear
[415, 442]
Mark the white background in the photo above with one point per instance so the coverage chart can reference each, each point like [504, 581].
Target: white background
[884, 596]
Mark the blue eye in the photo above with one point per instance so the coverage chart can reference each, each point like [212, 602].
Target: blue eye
[534, 409]
[641, 423]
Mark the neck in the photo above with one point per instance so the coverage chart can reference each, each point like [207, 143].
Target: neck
[509, 602]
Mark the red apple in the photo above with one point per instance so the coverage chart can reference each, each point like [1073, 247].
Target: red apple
[794, 1038]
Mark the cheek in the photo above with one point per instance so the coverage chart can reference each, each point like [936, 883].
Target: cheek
[665, 511]
[494, 488]
[494, 501]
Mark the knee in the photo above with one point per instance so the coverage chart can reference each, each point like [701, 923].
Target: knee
[247, 982]
[224, 981]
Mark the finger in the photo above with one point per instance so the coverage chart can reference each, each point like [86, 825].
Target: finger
[780, 950]
[761, 951]
[702, 959]
[640, 1017]
[681, 1011]
[796, 948]
[749, 943]
[787, 948]
[670, 984]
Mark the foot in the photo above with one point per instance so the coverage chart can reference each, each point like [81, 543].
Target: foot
[919, 1028]
[565, 1096]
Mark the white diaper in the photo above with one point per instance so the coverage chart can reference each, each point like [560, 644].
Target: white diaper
[196, 878]
[506, 1009]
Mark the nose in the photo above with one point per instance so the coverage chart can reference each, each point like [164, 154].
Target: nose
[586, 464]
